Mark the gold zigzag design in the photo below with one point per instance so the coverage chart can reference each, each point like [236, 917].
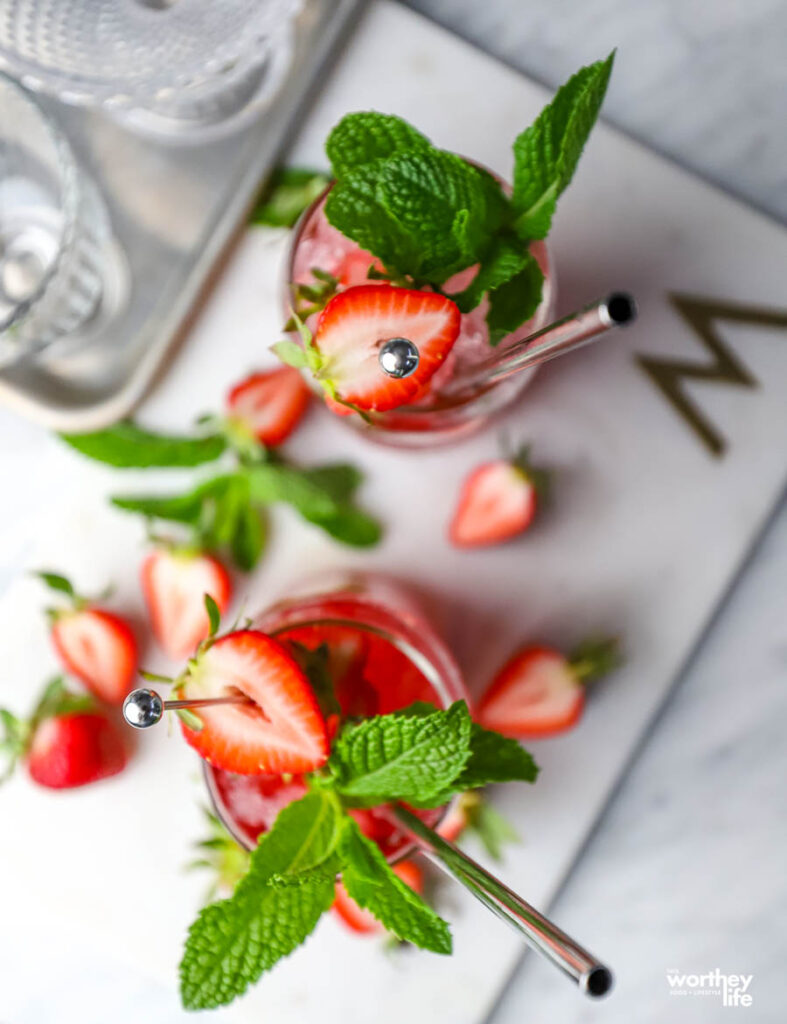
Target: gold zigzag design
[724, 367]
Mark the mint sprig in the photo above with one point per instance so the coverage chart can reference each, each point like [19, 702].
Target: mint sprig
[427, 214]
[288, 193]
[227, 512]
[409, 757]
[419, 755]
[370, 881]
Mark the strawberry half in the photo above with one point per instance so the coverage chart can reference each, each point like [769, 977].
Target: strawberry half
[99, 648]
[363, 921]
[282, 731]
[357, 322]
[498, 501]
[270, 405]
[541, 692]
[67, 741]
[95, 645]
[174, 583]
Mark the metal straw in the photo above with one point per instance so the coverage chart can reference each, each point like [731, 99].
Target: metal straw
[572, 332]
[143, 708]
[592, 976]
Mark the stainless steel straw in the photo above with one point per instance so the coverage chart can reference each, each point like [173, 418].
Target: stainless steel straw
[572, 332]
[592, 976]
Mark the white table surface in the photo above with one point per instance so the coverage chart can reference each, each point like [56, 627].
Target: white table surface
[686, 868]
[696, 882]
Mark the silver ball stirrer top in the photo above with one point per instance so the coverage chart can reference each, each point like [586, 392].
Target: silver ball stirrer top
[143, 708]
[399, 357]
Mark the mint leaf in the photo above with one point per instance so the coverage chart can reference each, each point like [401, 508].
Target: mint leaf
[506, 258]
[370, 881]
[248, 538]
[288, 193]
[514, 302]
[354, 208]
[339, 480]
[362, 139]
[440, 201]
[127, 446]
[495, 758]
[413, 758]
[234, 941]
[546, 154]
[290, 883]
[316, 501]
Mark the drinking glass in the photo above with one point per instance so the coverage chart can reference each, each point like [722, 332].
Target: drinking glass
[179, 67]
[412, 663]
[443, 414]
[52, 229]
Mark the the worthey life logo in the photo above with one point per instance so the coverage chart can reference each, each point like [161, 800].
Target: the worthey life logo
[734, 989]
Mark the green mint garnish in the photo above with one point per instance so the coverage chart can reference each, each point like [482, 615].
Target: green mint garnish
[290, 883]
[546, 154]
[370, 881]
[409, 757]
[495, 758]
[420, 756]
[427, 214]
[227, 512]
[288, 193]
[127, 446]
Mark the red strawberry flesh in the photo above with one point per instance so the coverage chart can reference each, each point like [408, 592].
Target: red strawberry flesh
[535, 694]
[270, 404]
[283, 730]
[356, 324]
[496, 503]
[99, 648]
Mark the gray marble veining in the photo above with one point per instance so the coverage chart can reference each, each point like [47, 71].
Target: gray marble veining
[703, 81]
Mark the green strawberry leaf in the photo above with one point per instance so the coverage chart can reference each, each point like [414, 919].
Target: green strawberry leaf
[495, 758]
[369, 880]
[288, 193]
[488, 824]
[362, 139]
[291, 353]
[315, 664]
[547, 153]
[127, 446]
[408, 757]
[214, 615]
[57, 583]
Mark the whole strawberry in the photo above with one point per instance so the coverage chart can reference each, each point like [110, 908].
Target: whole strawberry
[95, 645]
[68, 741]
[498, 501]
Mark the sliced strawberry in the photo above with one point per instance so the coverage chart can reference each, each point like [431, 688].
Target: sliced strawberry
[362, 921]
[540, 692]
[74, 750]
[271, 404]
[174, 584]
[498, 501]
[99, 648]
[282, 731]
[357, 322]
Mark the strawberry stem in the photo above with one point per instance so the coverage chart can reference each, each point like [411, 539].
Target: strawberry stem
[594, 658]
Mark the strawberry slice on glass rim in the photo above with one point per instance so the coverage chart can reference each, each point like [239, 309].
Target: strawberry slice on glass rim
[343, 354]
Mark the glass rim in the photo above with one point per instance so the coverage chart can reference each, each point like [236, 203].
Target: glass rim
[70, 193]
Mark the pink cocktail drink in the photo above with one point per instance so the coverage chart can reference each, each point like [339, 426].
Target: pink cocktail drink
[383, 656]
[440, 412]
